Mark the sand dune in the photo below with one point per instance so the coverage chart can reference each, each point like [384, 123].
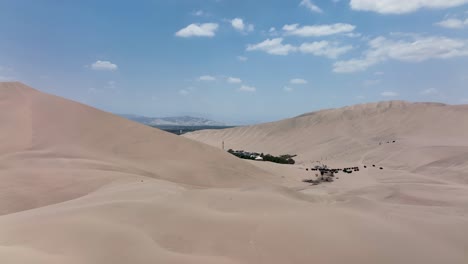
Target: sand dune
[79, 185]
[425, 172]
[426, 134]
[57, 142]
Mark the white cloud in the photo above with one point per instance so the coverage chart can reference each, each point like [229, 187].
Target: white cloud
[319, 48]
[324, 48]
[429, 91]
[453, 23]
[246, 88]
[239, 25]
[198, 30]
[186, 91]
[297, 81]
[378, 73]
[233, 80]
[415, 49]
[199, 13]
[422, 49]
[272, 46]
[104, 66]
[273, 32]
[318, 30]
[207, 78]
[353, 35]
[242, 58]
[402, 6]
[288, 89]
[389, 94]
[311, 6]
[353, 65]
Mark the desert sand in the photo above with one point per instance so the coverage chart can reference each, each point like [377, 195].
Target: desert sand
[79, 185]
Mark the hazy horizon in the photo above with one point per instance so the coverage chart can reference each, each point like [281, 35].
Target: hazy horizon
[238, 62]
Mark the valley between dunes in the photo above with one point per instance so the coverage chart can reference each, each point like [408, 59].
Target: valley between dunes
[79, 185]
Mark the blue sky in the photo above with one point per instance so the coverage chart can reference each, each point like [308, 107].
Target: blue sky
[237, 61]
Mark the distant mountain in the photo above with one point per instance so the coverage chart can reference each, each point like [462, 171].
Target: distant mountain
[173, 121]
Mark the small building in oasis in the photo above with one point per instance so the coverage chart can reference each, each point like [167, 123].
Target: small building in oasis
[259, 158]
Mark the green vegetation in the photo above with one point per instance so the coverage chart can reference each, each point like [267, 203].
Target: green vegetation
[180, 130]
[283, 159]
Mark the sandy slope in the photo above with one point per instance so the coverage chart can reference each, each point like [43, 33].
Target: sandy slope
[425, 176]
[428, 136]
[78, 185]
[342, 132]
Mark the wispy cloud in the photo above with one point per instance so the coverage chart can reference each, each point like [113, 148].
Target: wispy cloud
[239, 25]
[272, 32]
[233, 80]
[415, 49]
[272, 46]
[402, 6]
[186, 91]
[453, 23]
[311, 6]
[298, 81]
[288, 89]
[104, 66]
[317, 30]
[246, 88]
[325, 48]
[199, 13]
[207, 78]
[198, 30]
